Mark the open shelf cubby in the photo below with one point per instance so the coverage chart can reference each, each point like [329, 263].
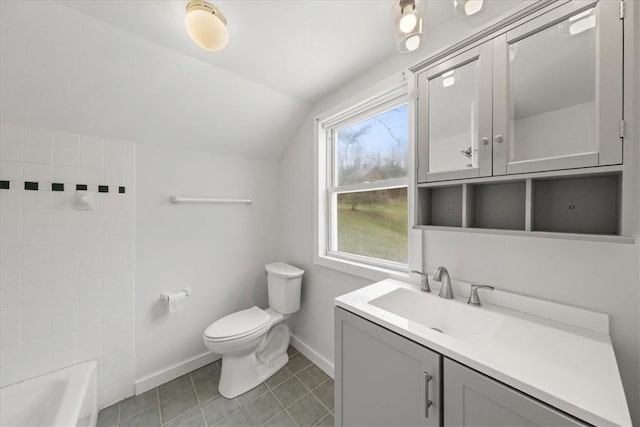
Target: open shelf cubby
[585, 205]
[500, 206]
[440, 206]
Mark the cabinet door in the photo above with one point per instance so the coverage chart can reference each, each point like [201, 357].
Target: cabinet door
[454, 117]
[557, 83]
[383, 379]
[472, 399]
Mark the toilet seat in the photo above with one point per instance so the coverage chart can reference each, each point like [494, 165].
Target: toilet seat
[238, 325]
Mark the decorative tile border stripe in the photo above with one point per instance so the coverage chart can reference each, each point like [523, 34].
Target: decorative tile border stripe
[60, 186]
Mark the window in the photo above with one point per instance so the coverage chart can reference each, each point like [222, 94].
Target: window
[364, 169]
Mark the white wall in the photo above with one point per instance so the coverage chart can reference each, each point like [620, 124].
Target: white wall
[598, 276]
[314, 323]
[66, 275]
[218, 250]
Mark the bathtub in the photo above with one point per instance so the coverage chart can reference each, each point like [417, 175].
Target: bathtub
[68, 397]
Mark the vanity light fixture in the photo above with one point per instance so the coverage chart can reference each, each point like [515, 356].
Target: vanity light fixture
[206, 25]
[407, 25]
[467, 7]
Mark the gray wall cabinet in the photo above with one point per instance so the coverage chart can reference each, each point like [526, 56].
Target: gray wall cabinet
[513, 127]
[384, 379]
[544, 94]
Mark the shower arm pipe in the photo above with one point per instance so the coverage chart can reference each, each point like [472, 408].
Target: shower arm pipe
[184, 199]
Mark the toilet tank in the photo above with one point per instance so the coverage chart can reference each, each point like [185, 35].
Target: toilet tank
[284, 282]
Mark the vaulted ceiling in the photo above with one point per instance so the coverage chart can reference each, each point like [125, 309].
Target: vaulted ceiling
[127, 69]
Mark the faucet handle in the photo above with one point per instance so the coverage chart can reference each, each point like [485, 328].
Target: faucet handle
[424, 280]
[474, 298]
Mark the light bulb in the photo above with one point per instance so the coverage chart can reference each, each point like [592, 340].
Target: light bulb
[578, 23]
[408, 23]
[448, 81]
[582, 25]
[471, 7]
[467, 7]
[448, 73]
[513, 52]
[581, 15]
[412, 43]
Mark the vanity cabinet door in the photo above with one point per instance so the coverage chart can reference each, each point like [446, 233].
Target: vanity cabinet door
[557, 90]
[472, 399]
[383, 379]
[454, 117]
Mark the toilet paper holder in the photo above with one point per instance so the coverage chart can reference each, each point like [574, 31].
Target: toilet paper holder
[164, 296]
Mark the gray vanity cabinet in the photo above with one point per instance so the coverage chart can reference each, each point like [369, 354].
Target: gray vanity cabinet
[472, 399]
[383, 379]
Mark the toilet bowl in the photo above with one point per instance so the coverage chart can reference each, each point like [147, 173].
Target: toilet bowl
[253, 342]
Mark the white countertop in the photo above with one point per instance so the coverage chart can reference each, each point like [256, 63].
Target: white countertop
[570, 368]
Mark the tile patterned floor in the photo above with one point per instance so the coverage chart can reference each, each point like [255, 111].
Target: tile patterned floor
[300, 394]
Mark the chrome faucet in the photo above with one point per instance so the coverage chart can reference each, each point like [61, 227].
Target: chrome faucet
[442, 275]
[424, 281]
[474, 299]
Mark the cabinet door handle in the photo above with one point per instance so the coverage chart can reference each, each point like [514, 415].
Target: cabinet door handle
[498, 139]
[484, 140]
[427, 402]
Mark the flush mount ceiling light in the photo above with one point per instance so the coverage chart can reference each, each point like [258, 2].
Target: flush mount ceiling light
[206, 26]
[407, 25]
[467, 7]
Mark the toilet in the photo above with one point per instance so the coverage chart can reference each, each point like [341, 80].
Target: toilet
[253, 342]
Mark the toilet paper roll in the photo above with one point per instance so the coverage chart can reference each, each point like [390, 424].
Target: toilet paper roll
[177, 301]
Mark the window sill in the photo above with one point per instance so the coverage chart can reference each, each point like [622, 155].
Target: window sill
[359, 269]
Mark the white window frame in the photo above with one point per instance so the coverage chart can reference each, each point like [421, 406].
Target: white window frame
[389, 94]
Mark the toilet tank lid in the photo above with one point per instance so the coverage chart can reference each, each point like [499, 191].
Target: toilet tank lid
[283, 270]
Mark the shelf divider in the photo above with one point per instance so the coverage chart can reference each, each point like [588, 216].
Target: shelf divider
[528, 208]
[467, 205]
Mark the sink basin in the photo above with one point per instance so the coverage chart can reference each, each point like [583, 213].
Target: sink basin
[451, 317]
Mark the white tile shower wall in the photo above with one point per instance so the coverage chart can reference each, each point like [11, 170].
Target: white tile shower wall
[66, 276]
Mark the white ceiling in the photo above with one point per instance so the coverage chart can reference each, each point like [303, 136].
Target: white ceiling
[60, 69]
[127, 69]
[300, 48]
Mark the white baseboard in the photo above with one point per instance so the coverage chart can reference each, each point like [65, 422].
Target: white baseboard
[313, 355]
[172, 372]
